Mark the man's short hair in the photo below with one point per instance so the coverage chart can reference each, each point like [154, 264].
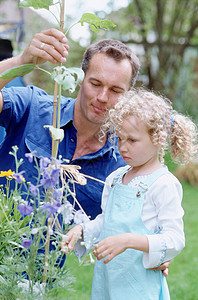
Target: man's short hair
[115, 49]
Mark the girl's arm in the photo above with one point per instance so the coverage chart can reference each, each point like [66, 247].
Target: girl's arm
[88, 232]
[166, 196]
[157, 248]
[114, 245]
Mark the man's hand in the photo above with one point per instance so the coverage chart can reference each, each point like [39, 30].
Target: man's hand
[48, 45]
[70, 239]
[163, 267]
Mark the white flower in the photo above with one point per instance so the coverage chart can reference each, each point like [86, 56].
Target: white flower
[50, 230]
[35, 230]
[80, 217]
[92, 261]
[67, 211]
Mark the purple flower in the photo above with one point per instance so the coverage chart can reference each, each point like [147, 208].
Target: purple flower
[57, 193]
[50, 178]
[25, 210]
[44, 163]
[51, 208]
[18, 177]
[30, 156]
[56, 161]
[26, 243]
[33, 189]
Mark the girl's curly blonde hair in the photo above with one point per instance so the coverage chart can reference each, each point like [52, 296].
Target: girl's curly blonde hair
[165, 126]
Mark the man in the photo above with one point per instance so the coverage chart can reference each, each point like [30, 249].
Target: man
[110, 69]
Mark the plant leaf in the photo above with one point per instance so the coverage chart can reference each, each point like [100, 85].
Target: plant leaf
[36, 4]
[69, 78]
[57, 134]
[18, 71]
[95, 22]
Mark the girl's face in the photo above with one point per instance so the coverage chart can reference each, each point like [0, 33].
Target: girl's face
[135, 144]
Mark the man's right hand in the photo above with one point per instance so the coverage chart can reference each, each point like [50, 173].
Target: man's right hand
[48, 45]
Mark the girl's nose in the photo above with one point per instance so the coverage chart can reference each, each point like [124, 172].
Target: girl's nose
[122, 145]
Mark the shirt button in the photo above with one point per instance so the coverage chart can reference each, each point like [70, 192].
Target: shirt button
[72, 140]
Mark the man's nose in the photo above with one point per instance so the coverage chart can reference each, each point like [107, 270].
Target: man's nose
[103, 95]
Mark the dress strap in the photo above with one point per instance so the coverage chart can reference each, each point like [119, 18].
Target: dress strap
[119, 175]
[155, 175]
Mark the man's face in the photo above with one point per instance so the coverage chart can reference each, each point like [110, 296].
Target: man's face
[104, 81]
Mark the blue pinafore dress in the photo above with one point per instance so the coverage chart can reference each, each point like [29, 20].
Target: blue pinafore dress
[125, 278]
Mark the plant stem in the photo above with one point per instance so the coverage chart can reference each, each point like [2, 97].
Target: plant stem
[5, 215]
[56, 88]
[47, 250]
[54, 115]
[58, 120]
[43, 70]
[71, 27]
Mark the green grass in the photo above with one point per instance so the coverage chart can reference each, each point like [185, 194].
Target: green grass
[83, 280]
[183, 272]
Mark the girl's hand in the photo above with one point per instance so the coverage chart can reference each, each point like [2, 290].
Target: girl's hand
[69, 241]
[114, 245]
[48, 45]
[111, 247]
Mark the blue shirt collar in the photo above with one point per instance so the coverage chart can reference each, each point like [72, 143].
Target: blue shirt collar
[68, 112]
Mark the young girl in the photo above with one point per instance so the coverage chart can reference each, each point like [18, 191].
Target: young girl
[141, 222]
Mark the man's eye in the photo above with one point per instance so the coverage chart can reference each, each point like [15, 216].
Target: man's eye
[94, 84]
[132, 140]
[117, 91]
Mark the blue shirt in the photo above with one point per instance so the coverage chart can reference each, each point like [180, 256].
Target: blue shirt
[26, 110]
[15, 82]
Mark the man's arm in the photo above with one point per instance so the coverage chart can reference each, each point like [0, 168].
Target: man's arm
[163, 267]
[49, 45]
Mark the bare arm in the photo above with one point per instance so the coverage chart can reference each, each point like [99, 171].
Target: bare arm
[114, 245]
[49, 45]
